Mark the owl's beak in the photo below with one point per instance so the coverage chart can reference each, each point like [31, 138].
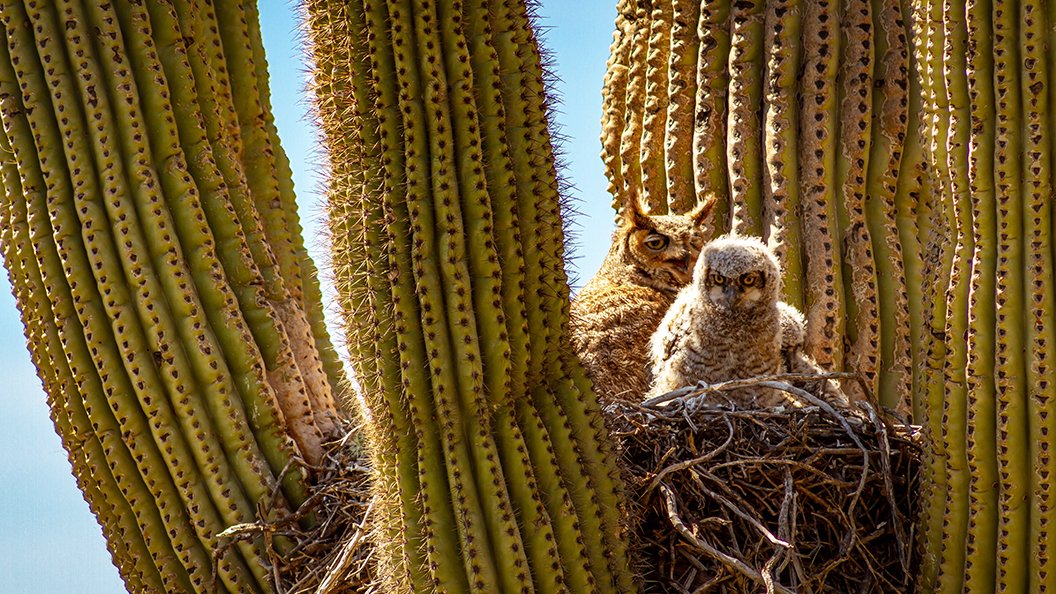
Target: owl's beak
[681, 267]
[728, 296]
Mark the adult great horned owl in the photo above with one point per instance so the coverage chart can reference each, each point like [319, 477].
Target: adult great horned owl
[726, 324]
[615, 313]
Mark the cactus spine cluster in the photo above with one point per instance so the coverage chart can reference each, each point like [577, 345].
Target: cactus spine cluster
[905, 177]
[149, 233]
[490, 453]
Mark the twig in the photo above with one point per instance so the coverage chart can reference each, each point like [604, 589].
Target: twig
[339, 565]
[740, 512]
[889, 487]
[702, 388]
[727, 560]
[818, 402]
[687, 463]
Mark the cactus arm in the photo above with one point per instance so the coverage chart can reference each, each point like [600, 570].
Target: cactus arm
[544, 453]
[471, 254]
[196, 187]
[101, 491]
[409, 538]
[231, 335]
[171, 364]
[101, 378]
[439, 257]
[248, 179]
[600, 497]
[543, 469]
[208, 369]
[342, 76]
[512, 478]
[439, 531]
[501, 186]
[428, 256]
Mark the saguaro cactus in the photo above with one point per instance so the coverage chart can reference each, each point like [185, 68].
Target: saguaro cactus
[149, 233]
[490, 453]
[912, 208]
[987, 90]
[798, 125]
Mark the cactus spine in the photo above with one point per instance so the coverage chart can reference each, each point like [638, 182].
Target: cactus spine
[183, 377]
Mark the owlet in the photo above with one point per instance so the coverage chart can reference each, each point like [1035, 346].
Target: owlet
[726, 324]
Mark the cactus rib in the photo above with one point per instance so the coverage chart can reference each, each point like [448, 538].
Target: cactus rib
[651, 152]
[743, 134]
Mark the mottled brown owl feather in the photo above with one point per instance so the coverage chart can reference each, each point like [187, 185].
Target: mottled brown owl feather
[615, 313]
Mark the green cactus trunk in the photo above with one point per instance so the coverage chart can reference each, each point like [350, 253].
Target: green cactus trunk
[178, 342]
[492, 465]
[912, 211]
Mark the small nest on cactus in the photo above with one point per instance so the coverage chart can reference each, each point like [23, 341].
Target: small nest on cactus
[334, 555]
[779, 500]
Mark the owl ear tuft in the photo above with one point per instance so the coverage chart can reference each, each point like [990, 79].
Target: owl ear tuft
[703, 208]
[632, 211]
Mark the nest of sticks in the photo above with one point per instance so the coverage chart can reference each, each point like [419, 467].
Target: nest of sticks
[808, 499]
[324, 547]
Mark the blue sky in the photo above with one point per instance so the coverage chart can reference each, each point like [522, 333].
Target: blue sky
[49, 542]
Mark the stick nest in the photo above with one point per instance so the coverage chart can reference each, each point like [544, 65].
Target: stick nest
[330, 533]
[812, 499]
[721, 499]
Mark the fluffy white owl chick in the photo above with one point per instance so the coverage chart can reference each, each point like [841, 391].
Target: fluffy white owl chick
[726, 324]
[796, 359]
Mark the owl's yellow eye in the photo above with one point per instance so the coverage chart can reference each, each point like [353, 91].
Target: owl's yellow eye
[717, 279]
[655, 242]
[750, 279]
